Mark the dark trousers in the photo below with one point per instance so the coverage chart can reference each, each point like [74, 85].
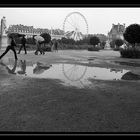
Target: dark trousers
[9, 48]
[22, 46]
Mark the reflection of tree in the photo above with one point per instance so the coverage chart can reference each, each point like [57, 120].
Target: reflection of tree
[40, 68]
[11, 71]
[74, 73]
[116, 70]
[23, 67]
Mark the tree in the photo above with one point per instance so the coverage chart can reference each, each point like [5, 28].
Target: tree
[47, 37]
[94, 40]
[112, 44]
[103, 44]
[30, 41]
[67, 40]
[132, 34]
[118, 42]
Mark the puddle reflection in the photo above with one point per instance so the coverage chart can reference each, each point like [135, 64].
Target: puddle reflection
[70, 74]
[22, 70]
[10, 70]
[40, 68]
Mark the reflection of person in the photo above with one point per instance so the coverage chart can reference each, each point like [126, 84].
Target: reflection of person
[23, 45]
[23, 67]
[10, 47]
[11, 71]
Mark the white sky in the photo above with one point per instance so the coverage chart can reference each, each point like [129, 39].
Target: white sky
[99, 19]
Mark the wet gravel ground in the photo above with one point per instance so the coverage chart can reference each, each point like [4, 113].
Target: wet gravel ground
[46, 105]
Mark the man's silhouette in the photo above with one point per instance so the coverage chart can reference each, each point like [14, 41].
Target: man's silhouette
[10, 47]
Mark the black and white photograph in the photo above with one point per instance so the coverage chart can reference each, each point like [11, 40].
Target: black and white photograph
[70, 70]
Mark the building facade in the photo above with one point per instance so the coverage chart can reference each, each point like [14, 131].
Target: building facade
[116, 32]
[29, 31]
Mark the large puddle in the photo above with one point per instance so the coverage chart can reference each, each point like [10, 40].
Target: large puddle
[70, 74]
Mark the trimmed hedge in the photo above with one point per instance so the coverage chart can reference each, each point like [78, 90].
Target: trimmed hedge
[130, 53]
[93, 49]
[116, 49]
[73, 47]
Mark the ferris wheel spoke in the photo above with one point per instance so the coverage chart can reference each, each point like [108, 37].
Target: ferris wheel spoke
[74, 35]
[73, 21]
[79, 35]
[71, 73]
[70, 68]
[71, 24]
[74, 75]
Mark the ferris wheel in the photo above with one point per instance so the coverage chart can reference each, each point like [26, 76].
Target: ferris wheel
[74, 72]
[75, 26]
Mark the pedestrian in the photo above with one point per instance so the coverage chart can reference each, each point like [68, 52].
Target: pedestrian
[39, 49]
[56, 46]
[39, 41]
[23, 45]
[10, 47]
[51, 45]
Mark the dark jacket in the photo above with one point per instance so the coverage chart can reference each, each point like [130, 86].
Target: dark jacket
[23, 40]
[56, 44]
[13, 43]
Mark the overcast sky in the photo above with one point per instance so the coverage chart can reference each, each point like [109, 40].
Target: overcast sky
[99, 19]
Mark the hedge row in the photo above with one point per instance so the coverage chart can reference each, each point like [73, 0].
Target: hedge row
[130, 53]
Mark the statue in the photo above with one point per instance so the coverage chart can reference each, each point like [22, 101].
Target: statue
[3, 26]
[107, 45]
[3, 35]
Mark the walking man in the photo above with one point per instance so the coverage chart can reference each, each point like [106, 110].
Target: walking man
[39, 41]
[23, 43]
[56, 46]
[10, 47]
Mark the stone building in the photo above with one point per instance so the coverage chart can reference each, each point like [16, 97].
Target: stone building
[29, 31]
[116, 32]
